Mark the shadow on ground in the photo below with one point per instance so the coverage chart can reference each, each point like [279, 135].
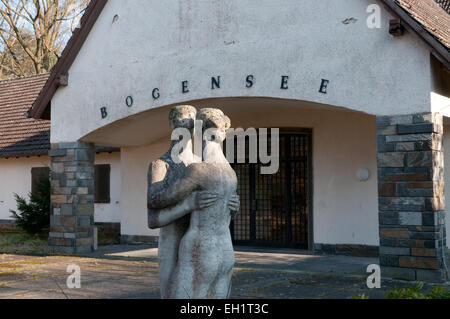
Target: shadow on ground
[129, 272]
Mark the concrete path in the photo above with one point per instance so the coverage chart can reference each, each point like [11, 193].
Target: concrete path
[132, 272]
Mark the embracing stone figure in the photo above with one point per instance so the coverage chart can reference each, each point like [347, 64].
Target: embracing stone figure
[174, 192]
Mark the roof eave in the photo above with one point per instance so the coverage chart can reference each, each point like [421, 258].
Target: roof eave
[68, 56]
[436, 47]
[23, 155]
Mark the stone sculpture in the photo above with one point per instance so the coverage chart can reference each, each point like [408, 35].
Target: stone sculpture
[195, 252]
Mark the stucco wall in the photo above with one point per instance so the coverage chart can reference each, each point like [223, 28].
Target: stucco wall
[134, 168]
[158, 44]
[110, 213]
[345, 209]
[15, 177]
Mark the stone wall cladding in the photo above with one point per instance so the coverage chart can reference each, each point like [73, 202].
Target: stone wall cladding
[72, 197]
[411, 197]
[347, 250]
[135, 240]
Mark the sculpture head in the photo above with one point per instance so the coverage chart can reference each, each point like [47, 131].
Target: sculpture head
[215, 122]
[182, 116]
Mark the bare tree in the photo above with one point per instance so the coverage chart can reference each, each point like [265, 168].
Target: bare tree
[33, 33]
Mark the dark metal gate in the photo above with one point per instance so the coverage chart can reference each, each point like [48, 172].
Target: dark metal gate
[275, 209]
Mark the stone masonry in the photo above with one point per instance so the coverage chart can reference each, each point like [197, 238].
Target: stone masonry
[72, 197]
[411, 197]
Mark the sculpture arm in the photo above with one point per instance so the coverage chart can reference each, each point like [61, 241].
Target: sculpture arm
[177, 192]
[195, 201]
[163, 217]
[156, 174]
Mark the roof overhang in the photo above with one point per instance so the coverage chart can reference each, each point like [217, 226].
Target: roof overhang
[410, 24]
[41, 105]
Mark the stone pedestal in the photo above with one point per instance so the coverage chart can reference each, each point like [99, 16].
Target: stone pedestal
[411, 197]
[72, 197]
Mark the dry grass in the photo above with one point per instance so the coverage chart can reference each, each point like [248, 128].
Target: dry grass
[19, 243]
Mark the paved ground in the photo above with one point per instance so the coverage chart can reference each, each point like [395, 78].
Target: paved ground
[131, 272]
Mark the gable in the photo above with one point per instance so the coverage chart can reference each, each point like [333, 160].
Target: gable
[138, 46]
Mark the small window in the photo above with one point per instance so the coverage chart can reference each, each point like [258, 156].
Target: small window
[102, 184]
[38, 173]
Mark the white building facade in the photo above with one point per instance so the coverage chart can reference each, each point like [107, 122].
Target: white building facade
[16, 176]
[361, 112]
[24, 160]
